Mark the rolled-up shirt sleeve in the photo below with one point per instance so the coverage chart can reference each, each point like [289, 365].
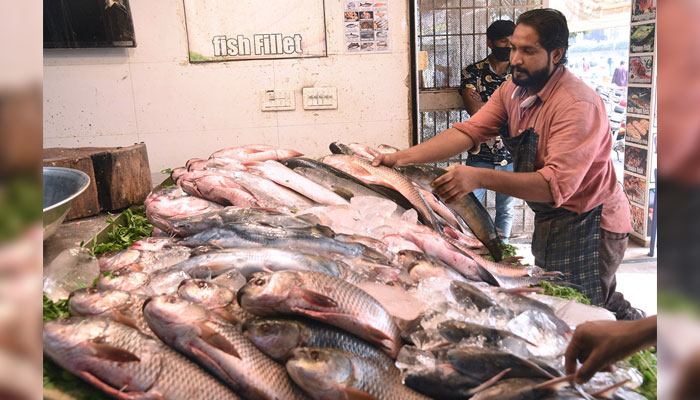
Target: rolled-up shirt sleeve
[487, 121]
[573, 144]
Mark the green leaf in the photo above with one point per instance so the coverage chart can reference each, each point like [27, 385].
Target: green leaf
[551, 289]
[166, 171]
[645, 362]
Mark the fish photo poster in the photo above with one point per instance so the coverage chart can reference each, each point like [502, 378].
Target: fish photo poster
[244, 30]
[636, 160]
[366, 27]
[635, 188]
[643, 10]
[641, 69]
[637, 130]
[638, 219]
[642, 38]
[639, 100]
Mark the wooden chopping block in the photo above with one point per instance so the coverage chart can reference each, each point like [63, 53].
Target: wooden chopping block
[86, 204]
[121, 175]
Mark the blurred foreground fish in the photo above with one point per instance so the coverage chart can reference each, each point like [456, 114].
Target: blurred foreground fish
[126, 363]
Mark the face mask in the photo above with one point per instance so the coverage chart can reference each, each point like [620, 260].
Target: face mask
[501, 53]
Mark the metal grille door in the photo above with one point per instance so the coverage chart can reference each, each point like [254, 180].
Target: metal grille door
[453, 34]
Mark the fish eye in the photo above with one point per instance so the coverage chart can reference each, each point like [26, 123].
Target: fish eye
[314, 355]
[265, 328]
[259, 282]
[202, 284]
[171, 299]
[93, 290]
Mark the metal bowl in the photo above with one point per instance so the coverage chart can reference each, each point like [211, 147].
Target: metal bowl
[61, 186]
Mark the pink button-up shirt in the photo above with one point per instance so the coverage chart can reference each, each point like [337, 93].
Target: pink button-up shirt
[573, 152]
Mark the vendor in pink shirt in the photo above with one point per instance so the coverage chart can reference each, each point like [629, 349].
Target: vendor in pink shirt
[560, 141]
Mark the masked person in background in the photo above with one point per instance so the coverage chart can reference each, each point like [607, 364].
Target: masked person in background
[479, 81]
[559, 136]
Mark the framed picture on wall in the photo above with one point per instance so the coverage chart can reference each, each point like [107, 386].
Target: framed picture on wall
[638, 217]
[88, 23]
[636, 160]
[643, 10]
[639, 100]
[641, 68]
[642, 38]
[635, 188]
[637, 130]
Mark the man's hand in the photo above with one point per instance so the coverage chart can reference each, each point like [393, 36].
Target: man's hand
[599, 344]
[456, 183]
[389, 160]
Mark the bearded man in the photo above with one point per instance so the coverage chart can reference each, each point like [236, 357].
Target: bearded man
[559, 137]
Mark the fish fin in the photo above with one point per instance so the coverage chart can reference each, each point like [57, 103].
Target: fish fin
[556, 383]
[210, 361]
[212, 338]
[354, 394]
[227, 316]
[317, 299]
[117, 394]
[607, 393]
[126, 320]
[112, 353]
[511, 260]
[490, 382]
[342, 192]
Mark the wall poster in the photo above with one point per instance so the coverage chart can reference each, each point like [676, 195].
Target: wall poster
[641, 68]
[248, 30]
[638, 219]
[636, 160]
[643, 10]
[366, 26]
[637, 130]
[639, 100]
[642, 38]
[635, 188]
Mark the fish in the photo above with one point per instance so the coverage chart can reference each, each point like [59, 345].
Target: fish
[469, 208]
[257, 259]
[189, 226]
[284, 176]
[124, 280]
[396, 243]
[354, 149]
[344, 181]
[126, 363]
[217, 188]
[153, 244]
[220, 348]
[219, 300]
[516, 389]
[467, 294]
[119, 306]
[421, 266]
[324, 298]
[440, 382]
[177, 173]
[268, 193]
[278, 337]
[337, 374]
[228, 164]
[456, 331]
[438, 246]
[143, 260]
[386, 149]
[374, 248]
[483, 364]
[170, 203]
[254, 235]
[255, 153]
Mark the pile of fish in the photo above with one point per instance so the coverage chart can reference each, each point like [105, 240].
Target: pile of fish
[274, 276]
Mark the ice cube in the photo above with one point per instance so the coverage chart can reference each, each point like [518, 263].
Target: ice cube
[73, 269]
[537, 328]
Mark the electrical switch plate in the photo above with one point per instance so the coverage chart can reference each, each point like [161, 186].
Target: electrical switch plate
[320, 98]
[278, 100]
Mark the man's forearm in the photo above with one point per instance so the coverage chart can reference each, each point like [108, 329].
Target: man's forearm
[529, 186]
[441, 147]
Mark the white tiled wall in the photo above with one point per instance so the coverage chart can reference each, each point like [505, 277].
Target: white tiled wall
[152, 94]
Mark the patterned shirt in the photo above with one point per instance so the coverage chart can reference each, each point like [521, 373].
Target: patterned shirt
[481, 78]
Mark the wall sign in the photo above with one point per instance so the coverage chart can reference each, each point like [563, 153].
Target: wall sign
[366, 26]
[249, 30]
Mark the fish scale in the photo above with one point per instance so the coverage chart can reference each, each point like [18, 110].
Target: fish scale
[129, 305]
[355, 311]
[160, 372]
[251, 373]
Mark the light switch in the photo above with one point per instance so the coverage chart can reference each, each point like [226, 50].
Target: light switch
[320, 98]
[278, 100]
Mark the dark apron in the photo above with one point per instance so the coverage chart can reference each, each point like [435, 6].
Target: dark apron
[563, 240]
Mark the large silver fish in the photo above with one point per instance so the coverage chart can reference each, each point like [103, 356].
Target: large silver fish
[218, 299]
[254, 235]
[325, 298]
[125, 363]
[167, 204]
[123, 307]
[249, 260]
[220, 347]
[277, 337]
[337, 374]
